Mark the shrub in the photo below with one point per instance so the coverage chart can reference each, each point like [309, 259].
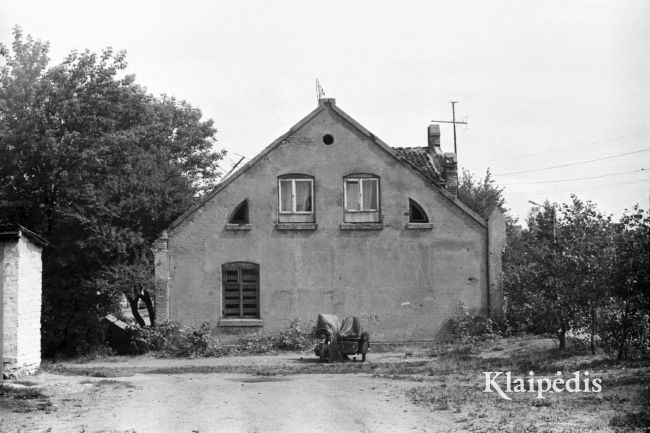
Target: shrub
[625, 333]
[171, 339]
[470, 328]
[296, 337]
[174, 339]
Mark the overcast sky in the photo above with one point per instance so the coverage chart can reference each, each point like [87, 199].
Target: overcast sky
[541, 83]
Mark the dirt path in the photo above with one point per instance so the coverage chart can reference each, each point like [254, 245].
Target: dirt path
[225, 403]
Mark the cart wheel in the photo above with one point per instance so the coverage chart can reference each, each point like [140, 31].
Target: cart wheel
[364, 348]
[325, 352]
[321, 354]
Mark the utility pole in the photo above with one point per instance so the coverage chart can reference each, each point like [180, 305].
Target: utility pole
[453, 121]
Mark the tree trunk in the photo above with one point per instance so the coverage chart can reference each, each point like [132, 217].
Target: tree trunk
[133, 303]
[561, 335]
[150, 308]
[593, 331]
[622, 344]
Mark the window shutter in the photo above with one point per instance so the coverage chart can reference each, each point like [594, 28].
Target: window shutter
[241, 290]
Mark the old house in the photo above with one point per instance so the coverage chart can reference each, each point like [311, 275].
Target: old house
[328, 218]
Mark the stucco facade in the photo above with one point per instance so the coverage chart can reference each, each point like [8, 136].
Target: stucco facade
[403, 279]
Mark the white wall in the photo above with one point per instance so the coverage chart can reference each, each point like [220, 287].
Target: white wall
[22, 305]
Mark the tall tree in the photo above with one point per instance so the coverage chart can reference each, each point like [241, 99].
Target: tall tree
[626, 323]
[481, 195]
[558, 272]
[99, 167]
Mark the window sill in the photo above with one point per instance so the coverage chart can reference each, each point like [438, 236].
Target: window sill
[362, 226]
[241, 323]
[238, 226]
[296, 226]
[419, 226]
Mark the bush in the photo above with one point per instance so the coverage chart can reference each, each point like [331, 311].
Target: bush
[624, 335]
[176, 340]
[296, 337]
[171, 339]
[470, 328]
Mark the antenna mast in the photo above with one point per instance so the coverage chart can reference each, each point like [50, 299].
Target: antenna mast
[319, 91]
[453, 121]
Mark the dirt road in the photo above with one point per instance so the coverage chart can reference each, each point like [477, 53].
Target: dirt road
[218, 402]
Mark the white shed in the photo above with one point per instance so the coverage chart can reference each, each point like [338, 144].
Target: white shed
[20, 297]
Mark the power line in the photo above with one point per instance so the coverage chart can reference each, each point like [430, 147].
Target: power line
[577, 178]
[573, 163]
[589, 143]
[573, 189]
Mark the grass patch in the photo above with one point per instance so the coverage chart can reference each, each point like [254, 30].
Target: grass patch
[631, 420]
[22, 393]
[108, 382]
[25, 382]
[454, 382]
[24, 400]
[88, 371]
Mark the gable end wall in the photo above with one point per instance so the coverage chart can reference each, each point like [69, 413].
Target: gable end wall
[402, 283]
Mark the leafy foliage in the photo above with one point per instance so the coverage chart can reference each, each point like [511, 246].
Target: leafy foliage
[626, 316]
[296, 337]
[99, 167]
[481, 195]
[468, 328]
[556, 266]
[574, 269]
[172, 339]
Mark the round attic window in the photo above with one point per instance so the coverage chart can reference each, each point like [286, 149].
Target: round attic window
[328, 139]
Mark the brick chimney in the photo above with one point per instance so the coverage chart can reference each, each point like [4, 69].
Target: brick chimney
[451, 172]
[445, 163]
[433, 138]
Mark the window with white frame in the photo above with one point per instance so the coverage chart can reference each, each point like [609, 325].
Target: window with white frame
[361, 198]
[296, 198]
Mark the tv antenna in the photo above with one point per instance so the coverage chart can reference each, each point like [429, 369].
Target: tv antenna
[319, 91]
[453, 121]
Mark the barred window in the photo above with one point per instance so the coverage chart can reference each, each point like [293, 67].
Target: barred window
[241, 290]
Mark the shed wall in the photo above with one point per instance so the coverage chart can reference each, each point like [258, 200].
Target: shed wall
[21, 285]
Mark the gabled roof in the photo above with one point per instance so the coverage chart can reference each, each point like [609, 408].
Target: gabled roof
[14, 231]
[419, 157]
[323, 103]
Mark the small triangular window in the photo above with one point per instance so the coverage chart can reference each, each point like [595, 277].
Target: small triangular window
[416, 213]
[240, 214]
